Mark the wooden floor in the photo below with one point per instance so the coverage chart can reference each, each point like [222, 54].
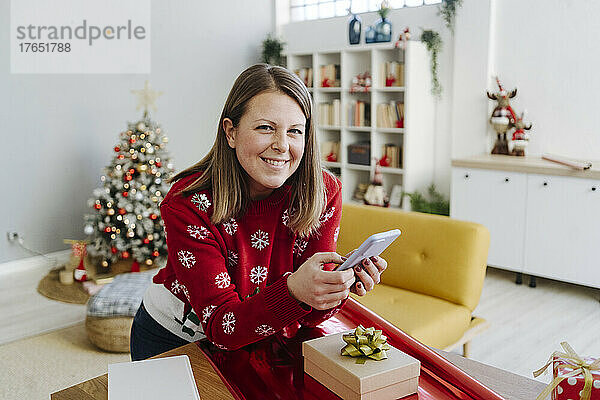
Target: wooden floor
[527, 324]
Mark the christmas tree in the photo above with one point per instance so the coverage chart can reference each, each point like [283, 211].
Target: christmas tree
[125, 221]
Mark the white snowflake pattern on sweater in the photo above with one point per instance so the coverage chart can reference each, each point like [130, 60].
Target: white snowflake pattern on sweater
[186, 258]
[299, 246]
[201, 201]
[207, 312]
[232, 258]
[176, 287]
[258, 274]
[222, 280]
[230, 226]
[228, 323]
[259, 239]
[285, 217]
[197, 232]
[328, 214]
[336, 233]
[185, 292]
[264, 330]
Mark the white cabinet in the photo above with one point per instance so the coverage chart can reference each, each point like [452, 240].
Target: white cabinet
[485, 196]
[563, 229]
[414, 140]
[540, 224]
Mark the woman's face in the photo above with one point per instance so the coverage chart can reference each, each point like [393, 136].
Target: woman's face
[269, 141]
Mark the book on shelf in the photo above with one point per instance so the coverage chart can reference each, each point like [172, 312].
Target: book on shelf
[393, 154]
[330, 151]
[330, 75]
[390, 115]
[359, 113]
[392, 73]
[329, 113]
[306, 75]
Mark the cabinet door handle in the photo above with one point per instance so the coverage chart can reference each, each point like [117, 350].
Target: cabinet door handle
[545, 183]
[593, 188]
[506, 179]
[466, 176]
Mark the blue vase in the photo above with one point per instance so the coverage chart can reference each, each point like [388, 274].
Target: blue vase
[370, 35]
[383, 31]
[354, 29]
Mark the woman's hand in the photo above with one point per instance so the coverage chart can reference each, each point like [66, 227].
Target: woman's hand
[318, 288]
[368, 273]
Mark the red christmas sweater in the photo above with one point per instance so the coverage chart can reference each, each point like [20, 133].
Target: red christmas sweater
[228, 281]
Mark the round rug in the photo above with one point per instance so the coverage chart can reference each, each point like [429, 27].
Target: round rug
[51, 287]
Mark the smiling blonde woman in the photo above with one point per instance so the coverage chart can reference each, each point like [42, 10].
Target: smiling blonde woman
[250, 229]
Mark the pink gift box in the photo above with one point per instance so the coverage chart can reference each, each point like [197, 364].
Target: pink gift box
[570, 388]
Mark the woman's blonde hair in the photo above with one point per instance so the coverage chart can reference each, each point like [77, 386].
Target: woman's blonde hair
[223, 173]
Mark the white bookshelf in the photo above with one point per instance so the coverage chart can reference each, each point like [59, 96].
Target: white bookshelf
[415, 139]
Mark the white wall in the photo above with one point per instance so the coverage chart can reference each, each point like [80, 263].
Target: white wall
[548, 49]
[57, 131]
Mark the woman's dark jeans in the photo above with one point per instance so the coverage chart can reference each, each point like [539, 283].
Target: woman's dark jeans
[149, 338]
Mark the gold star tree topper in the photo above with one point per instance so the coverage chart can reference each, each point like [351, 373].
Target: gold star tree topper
[146, 98]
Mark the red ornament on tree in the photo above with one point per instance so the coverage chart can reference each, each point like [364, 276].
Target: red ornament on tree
[125, 255]
[113, 250]
[107, 229]
[131, 140]
[122, 211]
[158, 164]
[125, 194]
[146, 241]
[121, 156]
[155, 254]
[97, 206]
[117, 149]
[153, 216]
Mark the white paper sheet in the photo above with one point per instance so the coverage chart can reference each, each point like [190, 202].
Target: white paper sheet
[160, 378]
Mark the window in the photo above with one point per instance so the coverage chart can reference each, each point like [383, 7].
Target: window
[301, 10]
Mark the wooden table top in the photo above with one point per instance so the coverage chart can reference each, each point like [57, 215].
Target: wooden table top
[210, 386]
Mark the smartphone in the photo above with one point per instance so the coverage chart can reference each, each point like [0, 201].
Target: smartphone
[373, 246]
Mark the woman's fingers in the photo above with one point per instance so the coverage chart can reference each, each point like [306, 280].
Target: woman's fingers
[364, 277]
[358, 289]
[337, 277]
[380, 263]
[371, 269]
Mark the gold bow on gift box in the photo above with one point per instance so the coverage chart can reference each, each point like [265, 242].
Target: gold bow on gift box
[365, 343]
[569, 359]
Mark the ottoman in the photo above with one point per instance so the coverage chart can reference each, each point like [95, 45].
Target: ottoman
[110, 312]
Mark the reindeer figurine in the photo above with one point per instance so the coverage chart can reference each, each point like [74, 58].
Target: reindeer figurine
[520, 137]
[503, 117]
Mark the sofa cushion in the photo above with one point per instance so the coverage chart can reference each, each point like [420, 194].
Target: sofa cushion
[121, 297]
[435, 255]
[430, 320]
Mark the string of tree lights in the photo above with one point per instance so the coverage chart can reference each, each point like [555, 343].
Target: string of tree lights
[125, 221]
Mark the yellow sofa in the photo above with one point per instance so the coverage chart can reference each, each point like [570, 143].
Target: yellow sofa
[435, 272]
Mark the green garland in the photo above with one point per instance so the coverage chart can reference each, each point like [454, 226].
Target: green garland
[272, 48]
[437, 203]
[448, 12]
[433, 41]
